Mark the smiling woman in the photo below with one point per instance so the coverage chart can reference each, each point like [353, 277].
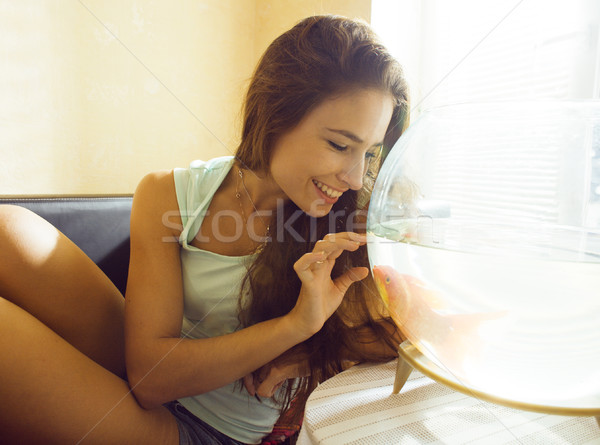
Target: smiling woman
[256, 303]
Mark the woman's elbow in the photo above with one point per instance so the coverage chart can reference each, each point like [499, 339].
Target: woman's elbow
[147, 395]
[144, 381]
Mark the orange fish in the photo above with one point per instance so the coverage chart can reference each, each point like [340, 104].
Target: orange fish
[415, 307]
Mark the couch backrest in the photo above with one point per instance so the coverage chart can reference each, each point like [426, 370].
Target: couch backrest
[99, 225]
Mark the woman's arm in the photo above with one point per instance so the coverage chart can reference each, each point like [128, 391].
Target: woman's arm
[161, 366]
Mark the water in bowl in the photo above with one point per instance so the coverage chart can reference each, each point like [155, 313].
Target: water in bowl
[519, 323]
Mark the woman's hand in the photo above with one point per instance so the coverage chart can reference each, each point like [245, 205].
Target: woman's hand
[265, 381]
[319, 295]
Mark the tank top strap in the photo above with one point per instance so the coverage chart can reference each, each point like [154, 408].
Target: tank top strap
[195, 188]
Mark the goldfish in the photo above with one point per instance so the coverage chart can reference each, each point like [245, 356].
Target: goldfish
[423, 317]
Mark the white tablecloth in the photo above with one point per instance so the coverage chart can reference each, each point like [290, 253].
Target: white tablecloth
[357, 407]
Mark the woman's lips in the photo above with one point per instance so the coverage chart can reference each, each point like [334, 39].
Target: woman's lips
[329, 194]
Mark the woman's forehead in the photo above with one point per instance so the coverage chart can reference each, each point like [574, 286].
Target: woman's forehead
[361, 114]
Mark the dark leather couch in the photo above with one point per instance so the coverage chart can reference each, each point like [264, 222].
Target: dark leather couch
[99, 225]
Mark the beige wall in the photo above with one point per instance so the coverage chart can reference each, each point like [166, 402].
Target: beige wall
[95, 94]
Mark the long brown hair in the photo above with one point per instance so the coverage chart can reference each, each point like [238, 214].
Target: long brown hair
[318, 58]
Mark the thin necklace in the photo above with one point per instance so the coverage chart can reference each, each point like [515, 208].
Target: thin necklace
[239, 198]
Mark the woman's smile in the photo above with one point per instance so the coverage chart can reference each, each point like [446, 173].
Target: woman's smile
[330, 195]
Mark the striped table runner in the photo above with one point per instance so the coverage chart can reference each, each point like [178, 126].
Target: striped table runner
[357, 407]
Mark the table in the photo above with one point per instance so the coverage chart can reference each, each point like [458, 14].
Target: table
[357, 407]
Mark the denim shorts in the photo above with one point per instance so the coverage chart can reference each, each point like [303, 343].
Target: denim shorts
[193, 431]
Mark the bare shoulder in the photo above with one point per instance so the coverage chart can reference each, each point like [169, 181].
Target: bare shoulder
[155, 199]
[156, 189]
[160, 182]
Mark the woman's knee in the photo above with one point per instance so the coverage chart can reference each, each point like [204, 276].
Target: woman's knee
[26, 242]
[24, 235]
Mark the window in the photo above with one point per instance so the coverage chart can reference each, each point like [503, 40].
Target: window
[471, 51]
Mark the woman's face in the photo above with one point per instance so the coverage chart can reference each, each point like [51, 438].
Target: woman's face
[328, 151]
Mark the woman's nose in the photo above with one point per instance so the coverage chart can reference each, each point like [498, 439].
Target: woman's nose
[353, 173]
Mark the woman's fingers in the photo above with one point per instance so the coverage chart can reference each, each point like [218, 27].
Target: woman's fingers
[344, 281]
[327, 250]
[309, 260]
[333, 244]
[271, 384]
[340, 241]
[249, 384]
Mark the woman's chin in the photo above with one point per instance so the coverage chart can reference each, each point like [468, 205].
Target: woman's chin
[318, 209]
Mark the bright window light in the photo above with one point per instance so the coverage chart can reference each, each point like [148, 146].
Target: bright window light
[469, 50]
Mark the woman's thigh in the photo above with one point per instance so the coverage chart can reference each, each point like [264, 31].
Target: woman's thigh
[47, 275]
[53, 393]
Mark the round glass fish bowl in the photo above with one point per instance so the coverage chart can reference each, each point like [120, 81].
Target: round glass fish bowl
[484, 243]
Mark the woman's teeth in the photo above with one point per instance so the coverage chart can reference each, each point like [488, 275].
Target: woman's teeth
[329, 192]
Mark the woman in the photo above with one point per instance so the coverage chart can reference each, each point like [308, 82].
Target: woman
[262, 262]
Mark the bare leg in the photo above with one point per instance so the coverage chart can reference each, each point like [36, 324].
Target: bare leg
[61, 345]
[52, 393]
[44, 273]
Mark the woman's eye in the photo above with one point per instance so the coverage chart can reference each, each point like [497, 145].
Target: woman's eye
[371, 155]
[337, 147]
[371, 158]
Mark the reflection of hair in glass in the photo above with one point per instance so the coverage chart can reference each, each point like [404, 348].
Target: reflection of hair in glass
[405, 192]
[319, 58]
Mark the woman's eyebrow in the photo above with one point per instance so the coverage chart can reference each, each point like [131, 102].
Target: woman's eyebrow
[352, 136]
[348, 134]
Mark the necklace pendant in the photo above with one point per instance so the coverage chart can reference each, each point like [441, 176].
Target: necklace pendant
[238, 195]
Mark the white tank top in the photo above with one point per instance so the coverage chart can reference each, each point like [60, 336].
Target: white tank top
[211, 289]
